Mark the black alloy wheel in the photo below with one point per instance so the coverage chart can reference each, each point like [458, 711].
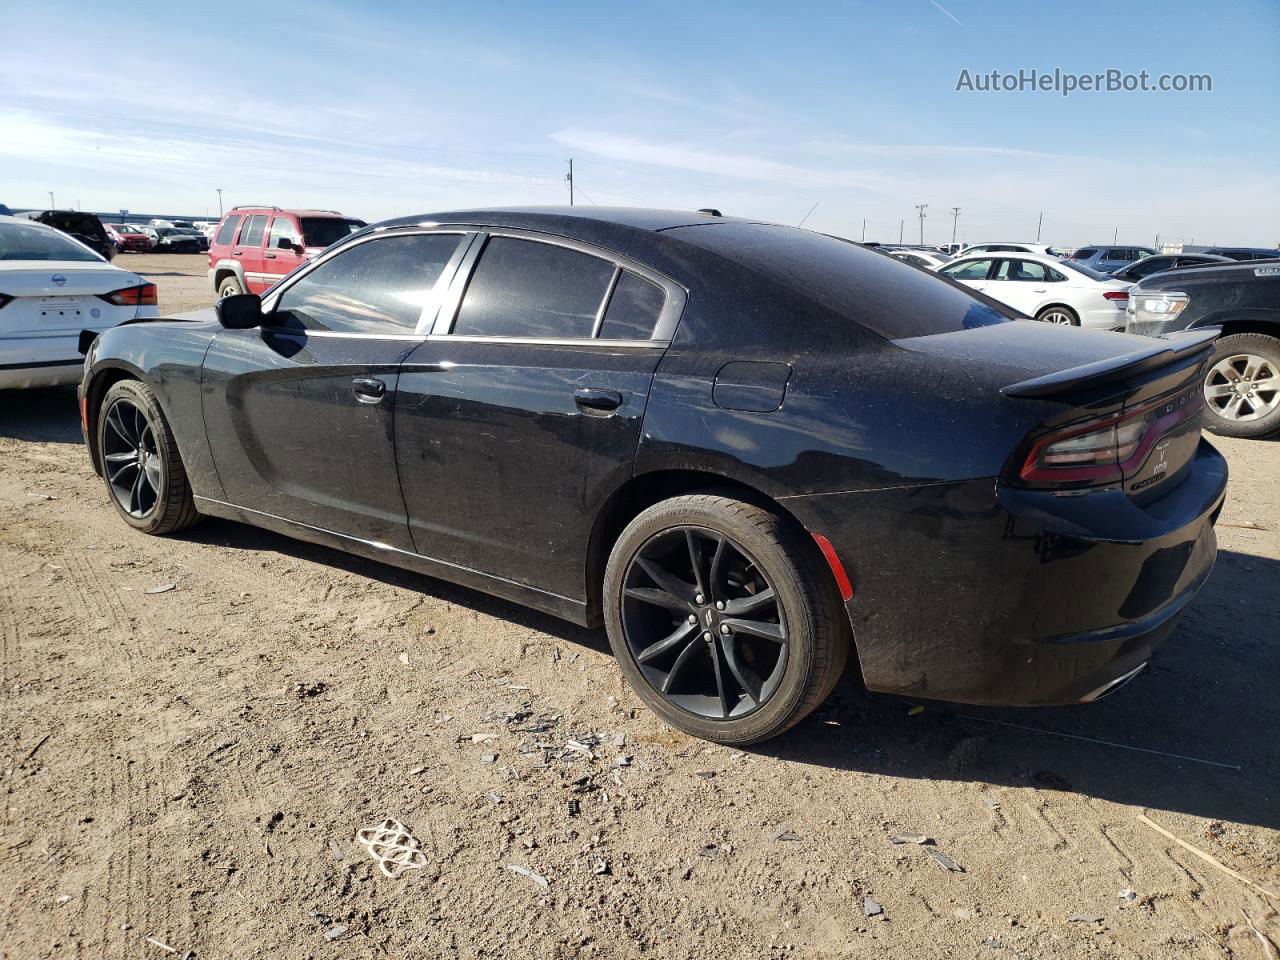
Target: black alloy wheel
[704, 622]
[143, 471]
[724, 617]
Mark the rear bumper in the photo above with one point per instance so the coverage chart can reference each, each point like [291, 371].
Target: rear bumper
[973, 593]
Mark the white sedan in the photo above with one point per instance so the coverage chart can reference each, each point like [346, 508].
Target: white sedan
[921, 258]
[1046, 288]
[51, 288]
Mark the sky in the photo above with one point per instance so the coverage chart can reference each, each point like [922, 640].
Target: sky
[830, 114]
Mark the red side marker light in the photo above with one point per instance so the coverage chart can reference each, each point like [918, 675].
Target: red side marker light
[84, 412]
[837, 568]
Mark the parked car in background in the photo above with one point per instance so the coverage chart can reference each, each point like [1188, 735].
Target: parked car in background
[1046, 288]
[1246, 253]
[52, 287]
[128, 237]
[1164, 261]
[1242, 381]
[592, 416]
[85, 227]
[1107, 259]
[254, 247]
[1006, 246]
[176, 240]
[950, 249]
[921, 258]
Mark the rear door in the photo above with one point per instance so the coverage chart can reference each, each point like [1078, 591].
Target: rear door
[299, 413]
[283, 251]
[1022, 284]
[522, 412]
[248, 250]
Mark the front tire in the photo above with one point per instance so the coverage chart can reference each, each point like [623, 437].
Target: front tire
[1059, 314]
[724, 618]
[145, 477]
[230, 287]
[1242, 386]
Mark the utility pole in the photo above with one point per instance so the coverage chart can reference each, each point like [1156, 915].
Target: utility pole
[920, 208]
[1039, 224]
[52, 205]
[569, 178]
[900, 223]
[955, 218]
[864, 229]
[1115, 236]
[219, 189]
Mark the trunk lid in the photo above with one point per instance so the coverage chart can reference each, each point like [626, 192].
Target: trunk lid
[63, 279]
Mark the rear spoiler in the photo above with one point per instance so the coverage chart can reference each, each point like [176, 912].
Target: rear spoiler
[1163, 350]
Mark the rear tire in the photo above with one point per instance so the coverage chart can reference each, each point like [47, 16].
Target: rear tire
[146, 480]
[769, 606]
[1242, 386]
[230, 287]
[1059, 314]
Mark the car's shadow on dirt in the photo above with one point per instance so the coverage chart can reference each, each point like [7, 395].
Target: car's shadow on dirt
[43, 415]
[1194, 733]
[1208, 696]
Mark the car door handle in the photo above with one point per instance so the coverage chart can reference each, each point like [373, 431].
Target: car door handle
[597, 400]
[1039, 290]
[269, 256]
[368, 389]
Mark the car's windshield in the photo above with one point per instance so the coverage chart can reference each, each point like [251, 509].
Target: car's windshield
[878, 292]
[1089, 272]
[22, 242]
[322, 231]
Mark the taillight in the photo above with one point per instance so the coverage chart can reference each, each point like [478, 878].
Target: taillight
[1098, 452]
[4, 299]
[141, 296]
[1117, 294]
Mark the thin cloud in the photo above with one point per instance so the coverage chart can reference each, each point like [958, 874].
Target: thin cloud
[946, 11]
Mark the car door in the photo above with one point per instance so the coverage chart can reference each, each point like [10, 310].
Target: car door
[522, 412]
[248, 251]
[299, 413]
[282, 253]
[972, 273]
[1022, 284]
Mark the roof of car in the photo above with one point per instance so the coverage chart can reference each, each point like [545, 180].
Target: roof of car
[262, 208]
[565, 217]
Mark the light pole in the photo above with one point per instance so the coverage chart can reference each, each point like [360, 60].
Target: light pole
[219, 189]
[955, 218]
[52, 205]
[920, 208]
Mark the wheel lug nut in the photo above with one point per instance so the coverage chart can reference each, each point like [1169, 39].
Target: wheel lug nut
[699, 599]
[692, 618]
[719, 604]
[707, 636]
[724, 628]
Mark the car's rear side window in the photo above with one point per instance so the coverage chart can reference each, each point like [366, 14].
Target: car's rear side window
[891, 299]
[1084, 253]
[523, 288]
[633, 308]
[227, 230]
[254, 227]
[381, 286]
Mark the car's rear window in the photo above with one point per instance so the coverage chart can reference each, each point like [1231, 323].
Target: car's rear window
[21, 242]
[323, 231]
[1084, 253]
[1089, 272]
[880, 293]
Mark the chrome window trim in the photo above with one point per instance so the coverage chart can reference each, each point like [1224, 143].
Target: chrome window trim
[663, 330]
[550, 341]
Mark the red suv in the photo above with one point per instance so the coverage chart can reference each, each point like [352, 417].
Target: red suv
[254, 247]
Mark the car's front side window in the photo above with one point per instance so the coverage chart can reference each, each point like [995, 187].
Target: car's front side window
[283, 228]
[380, 286]
[525, 288]
[972, 270]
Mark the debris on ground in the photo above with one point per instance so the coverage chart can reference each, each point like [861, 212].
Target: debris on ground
[943, 860]
[333, 933]
[574, 807]
[1128, 895]
[163, 946]
[1086, 918]
[600, 867]
[488, 758]
[919, 838]
[872, 908]
[537, 878]
[785, 834]
[393, 847]
[163, 588]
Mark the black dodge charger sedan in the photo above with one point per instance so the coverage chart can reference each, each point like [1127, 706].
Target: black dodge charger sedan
[746, 449]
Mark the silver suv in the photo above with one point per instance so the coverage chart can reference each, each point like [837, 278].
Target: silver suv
[1105, 259]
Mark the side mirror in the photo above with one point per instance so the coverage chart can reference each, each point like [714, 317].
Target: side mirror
[240, 312]
[284, 243]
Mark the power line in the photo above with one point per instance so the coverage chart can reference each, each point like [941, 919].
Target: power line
[806, 216]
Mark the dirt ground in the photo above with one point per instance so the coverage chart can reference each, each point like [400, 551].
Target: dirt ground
[184, 772]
